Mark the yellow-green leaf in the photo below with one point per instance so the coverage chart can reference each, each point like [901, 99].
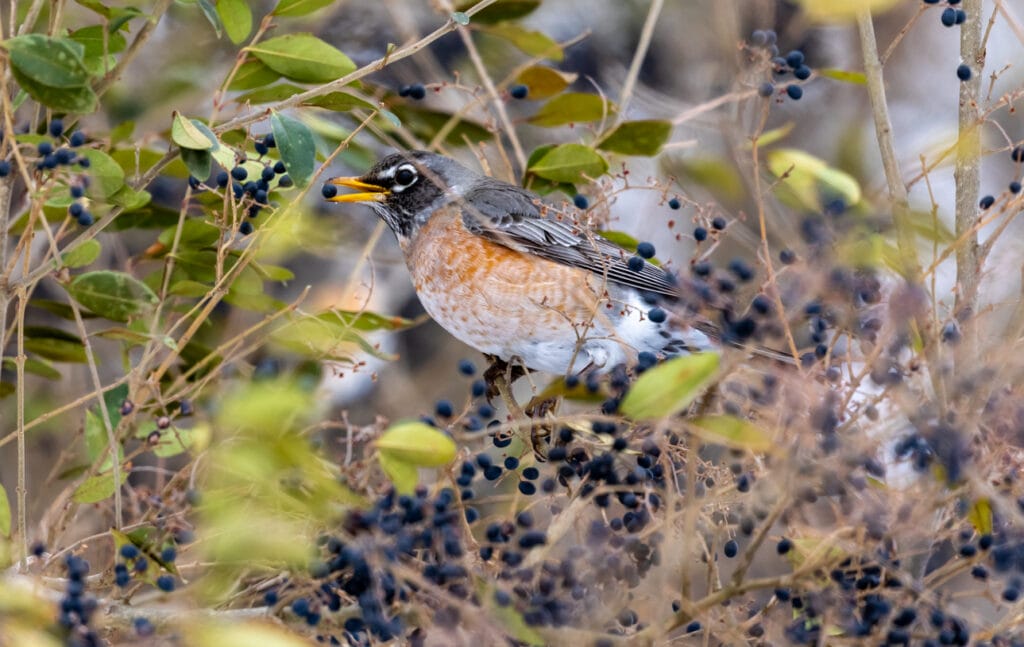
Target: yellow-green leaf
[82, 255]
[670, 387]
[846, 76]
[185, 134]
[417, 443]
[295, 143]
[500, 10]
[644, 137]
[811, 180]
[403, 476]
[216, 633]
[569, 163]
[253, 74]
[832, 11]
[50, 62]
[5, 513]
[534, 43]
[732, 432]
[573, 107]
[106, 175]
[303, 57]
[543, 82]
[291, 8]
[980, 516]
[236, 17]
[97, 488]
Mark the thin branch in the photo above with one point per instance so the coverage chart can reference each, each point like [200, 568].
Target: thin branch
[887, 147]
[639, 55]
[111, 77]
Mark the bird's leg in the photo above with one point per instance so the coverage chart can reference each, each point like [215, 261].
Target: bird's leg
[500, 374]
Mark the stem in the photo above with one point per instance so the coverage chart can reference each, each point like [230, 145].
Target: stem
[21, 488]
[886, 146]
[639, 55]
[967, 174]
[111, 77]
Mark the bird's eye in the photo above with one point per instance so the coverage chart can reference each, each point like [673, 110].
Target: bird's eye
[405, 176]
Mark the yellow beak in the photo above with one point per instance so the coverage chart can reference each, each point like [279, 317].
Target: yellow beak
[367, 192]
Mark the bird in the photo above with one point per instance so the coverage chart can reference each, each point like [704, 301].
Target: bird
[517, 279]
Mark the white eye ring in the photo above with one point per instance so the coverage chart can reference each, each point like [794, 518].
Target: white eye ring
[405, 175]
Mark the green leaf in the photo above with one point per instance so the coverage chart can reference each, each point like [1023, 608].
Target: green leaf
[269, 94]
[637, 137]
[252, 74]
[130, 199]
[54, 344]
[35, 366]
[237, 18]
[5, 513]
[82, 255]
[292, 8]
[211, 15]
[96, 438]
[295, 143]
[569, 163]
[339, 102]
[857, 78]
[173, 441]
[70, 100]
[715, 174]
[501, 10]
[534, 43]
[543, 82]
[195, 234]
[199, 163]
[50, 62]
[573, 107]
[191, 289]
[334, 334]
[670, 387]
[106, 175]
[425, 123]
[980, 516]
[186, 134]
[91, 39]
[97, 488]
[417, 443]
[114, 295]
[402, 475]
[810, 180]
[733, 432]
[303, 57]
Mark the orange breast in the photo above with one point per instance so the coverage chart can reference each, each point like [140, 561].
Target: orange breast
[495, 299]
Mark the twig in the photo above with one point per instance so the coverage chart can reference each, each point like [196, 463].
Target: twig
[887, 147]
[639, 55]
[111, 77]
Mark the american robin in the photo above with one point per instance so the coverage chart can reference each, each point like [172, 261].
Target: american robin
[516, 279]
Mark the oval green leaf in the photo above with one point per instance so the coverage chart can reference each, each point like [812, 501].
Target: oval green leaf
[292, 8]
[184, 133]
[500, 10]
[569, 163]
[114, 295]
[573, 107]
[236, 17]
[732, 432]
[417, 443]
[199, 163]
[106, 174]
[70, 100]
[810, 179]
[530, 42]
[403, 476]
[303, 57]
[82, 255]
[252, 74]
[97, 488]
[670, 387]
[51, 62]
[54, 344]
[637, 137]
[295, 143]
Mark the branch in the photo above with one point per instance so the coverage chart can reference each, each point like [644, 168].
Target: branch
[639, 55]
[886, 146]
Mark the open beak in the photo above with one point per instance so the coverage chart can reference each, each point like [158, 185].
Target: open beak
[366, 192]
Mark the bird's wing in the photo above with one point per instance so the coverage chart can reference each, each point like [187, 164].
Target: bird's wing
[511, 217]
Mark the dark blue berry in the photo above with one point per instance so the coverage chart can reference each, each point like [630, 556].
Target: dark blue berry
[700, 234]
[168, 554]
[766, 89]
[794, 92]
[961, 16]
[279, 168]
[222, 179]
[784, 546]
[657, 315]
[75, 210]
[731, 548]
[300, 607]
[467, 367]
[245, 228]
[285, 181]
[963, 72]
[84, 162]
[165, 583]
[85, 219]
[1014, 187]
[986, 202]
[5, 168]
[45, 148]
[802, 72]
[329, 191]
[692, 627]
[1017, 154]
[417, 91]
[56, 127]
[787, 256]
[531, 473]
[492, 472]
[268, 140]
[580, 201]
[444, 409]
[527, 488]
[795, 58]
[129, 551]
[261, 148]
[519, 91]
[267, 174]
[674, 203]
[77, 139]
[719, 223]
[646, 250]
[511, 463]
[239, 173]
[948, 17]
[635, 263]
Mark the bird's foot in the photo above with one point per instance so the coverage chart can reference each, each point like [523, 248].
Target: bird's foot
[499, 372]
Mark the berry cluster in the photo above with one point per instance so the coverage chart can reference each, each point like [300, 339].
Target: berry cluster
[414, 91]
[77, 606]
[793, 62]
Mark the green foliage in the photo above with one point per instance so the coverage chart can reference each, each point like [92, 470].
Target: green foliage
[670, 387]
[295, 141]
[303, 57]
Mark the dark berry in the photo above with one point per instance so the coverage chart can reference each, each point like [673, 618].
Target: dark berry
[519, 91]
[169, 554]
[76, 209]
[948, 17]
[766, 89]
[646, 250]
[692, 627]
[222, 179]
[165, 583]
[261, 148]
[329, 191]
[794, 92]
[986, 202]
[961, 16]
[239, 173]
[129, 551]
[657, 315]
[527, 488]
[45, 148]
[795, 58]
[5, 168]
[279, 168]
[784, 546]
[1017, 154]
[84, 162]
[444, 409]
[85, 219]
[285, 181]
[531, 473]
[802, 72]
[511, 463]
[77, 139]
[417, 91]
[268, 140]
[1014, 187]
[700, 234]
[580, 201]
[674, 203]
[719, 223]
[963, 72]
[245, 228]
[731, 548]
[635, 263]
[787, 256]
[267, 174]
[467, 367]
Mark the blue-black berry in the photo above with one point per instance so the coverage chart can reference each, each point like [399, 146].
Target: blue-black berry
[417, 91]
[467, 367]
[657, 315]
[519, 91]
[795, 58]
[635, 263]
[731, 548]
[444, 409]
[44, 148]
[1017, 154]
[245, 228]
[787, 256]
[165, 583]
[646, 250]
[268, 140]
[329, 191]
[1014, 187]
[5, 168]
[948, 17]
[802, 72]
[719, 223]
[674, 203]
[766, 89]
[963, 72]
[77, 139]
[285, 181]
[795, 92]
[239, 173]
[580, 201]
[56, 127]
